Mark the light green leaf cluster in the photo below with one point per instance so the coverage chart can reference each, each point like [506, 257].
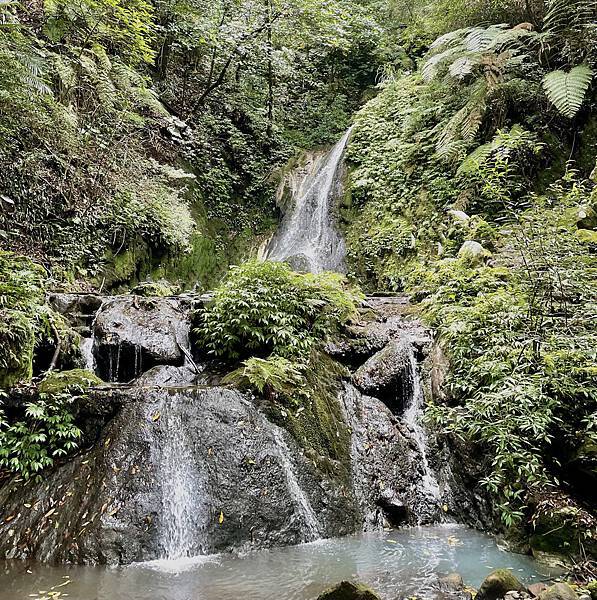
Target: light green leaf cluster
[264, 308]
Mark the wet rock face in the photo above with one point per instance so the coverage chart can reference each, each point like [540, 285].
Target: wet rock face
[385, 375]
[134, 334]
[243, 482]
[386, 466]
[251, 487]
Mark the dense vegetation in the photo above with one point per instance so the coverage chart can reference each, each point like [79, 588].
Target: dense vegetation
[473, 189]
[275, 319]
[148, 131]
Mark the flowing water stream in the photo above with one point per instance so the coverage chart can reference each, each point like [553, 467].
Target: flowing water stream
[182, 488]
[311, 526]
[308, 237]
[413, 415]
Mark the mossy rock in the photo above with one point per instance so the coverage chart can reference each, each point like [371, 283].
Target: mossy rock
[559, 591]
[160, 288]
[346, 590]
[57, 382]
[560, 532]
[497, 584]
[592, 587]
[587, 236]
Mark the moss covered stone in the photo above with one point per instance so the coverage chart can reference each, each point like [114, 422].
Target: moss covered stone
[559, 591]
[566, 531]
[317, 423]
[57, 382]
[497, 584]
[347, 590]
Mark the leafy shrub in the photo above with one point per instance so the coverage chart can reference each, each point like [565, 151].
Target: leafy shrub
[22, 316]
[45, 431]
[43, 428]
[521, 351]
[273, 376]
[265, 308]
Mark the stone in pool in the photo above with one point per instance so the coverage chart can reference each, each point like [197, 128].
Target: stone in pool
[346, 590]
[498, 584]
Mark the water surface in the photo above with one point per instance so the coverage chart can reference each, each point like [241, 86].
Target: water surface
[397, 564]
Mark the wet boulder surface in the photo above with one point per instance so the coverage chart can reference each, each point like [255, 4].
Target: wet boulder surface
[133, 334]
[115, 503]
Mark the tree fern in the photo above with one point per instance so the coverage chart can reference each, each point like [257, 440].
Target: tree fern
[572, 15]
[566, 91]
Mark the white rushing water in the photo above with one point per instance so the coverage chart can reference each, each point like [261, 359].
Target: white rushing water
[412, 417]
[308, 237]
[87, 352]
[183, 514]
[312, 530]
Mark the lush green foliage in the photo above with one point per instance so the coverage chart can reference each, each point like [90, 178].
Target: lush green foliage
[42, 427]
[273, 376]
[150, 130]
[43, 433]
[22, 316]
[265, 308]
[468, 135]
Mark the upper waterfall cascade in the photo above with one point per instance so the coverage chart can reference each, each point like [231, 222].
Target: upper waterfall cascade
[308, 237]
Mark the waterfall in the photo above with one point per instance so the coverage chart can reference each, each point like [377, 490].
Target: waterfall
[87, 353]
[302, 504]
[413, 391]
[308, 237]
[183, 517]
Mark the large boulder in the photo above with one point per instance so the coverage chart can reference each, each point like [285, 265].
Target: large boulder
[559, 591]
[387, 375]
[452, 582]
[133, 334]
[204, 462]
[497, 584]
[346, 590]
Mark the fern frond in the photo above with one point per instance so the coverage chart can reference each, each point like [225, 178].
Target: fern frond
[481, 39]
[67, 77]
[449, 38]
[464, 65]
[566, 91]
[574, 15]
[102, 59]
[34, 67]
[476, 157]
[432, 66]
[472, 123]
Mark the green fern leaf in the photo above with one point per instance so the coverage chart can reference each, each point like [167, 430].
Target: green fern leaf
[566, 91]
[568, 15]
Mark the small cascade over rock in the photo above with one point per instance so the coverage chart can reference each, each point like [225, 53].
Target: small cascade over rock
[184, 516]
[312, 528]
[308, 237]
[428, 509]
